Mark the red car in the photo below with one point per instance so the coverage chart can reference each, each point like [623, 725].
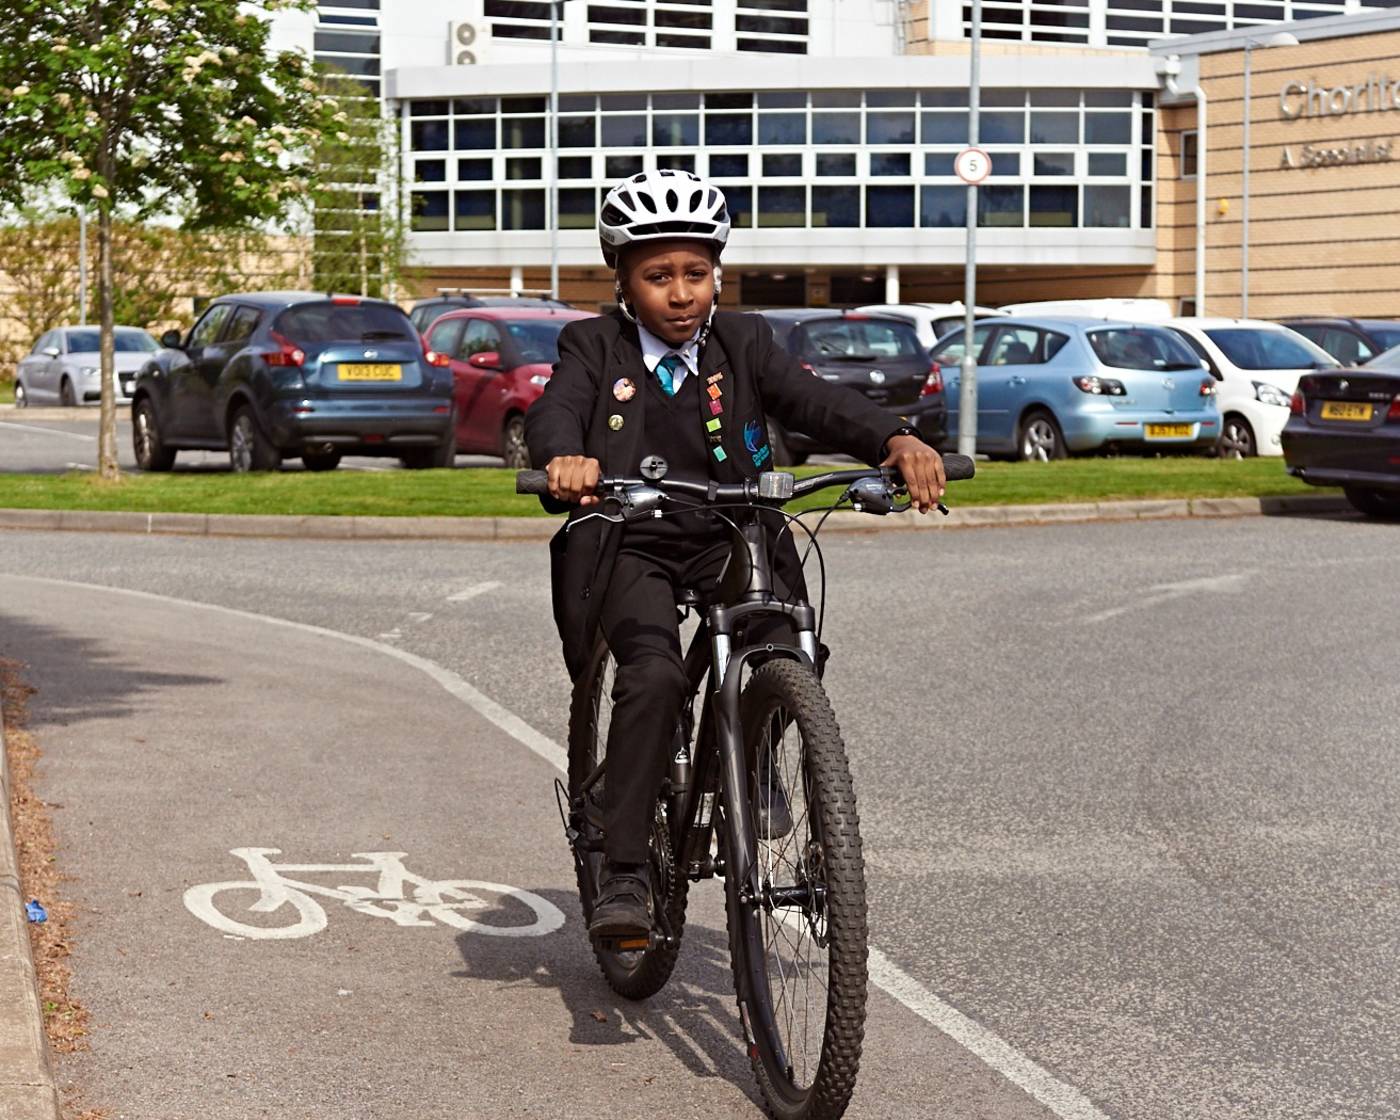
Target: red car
[502, 358]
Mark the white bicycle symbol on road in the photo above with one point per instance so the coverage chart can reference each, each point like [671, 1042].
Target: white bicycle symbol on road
[399, 895]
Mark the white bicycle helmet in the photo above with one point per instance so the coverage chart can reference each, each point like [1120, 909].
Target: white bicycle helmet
[662, 204]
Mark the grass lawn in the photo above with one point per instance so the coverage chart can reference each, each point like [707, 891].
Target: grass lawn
[7, 391]
[480, 492]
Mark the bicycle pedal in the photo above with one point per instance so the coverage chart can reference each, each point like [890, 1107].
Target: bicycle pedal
[631, 943]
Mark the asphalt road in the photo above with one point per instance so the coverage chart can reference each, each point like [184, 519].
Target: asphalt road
[1128, 794]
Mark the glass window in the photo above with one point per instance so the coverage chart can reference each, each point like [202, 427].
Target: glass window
[522, 209]
[524, 104]
[675, 130]
[1054, 128]
[782, 206]
[949, 352]
[536, 339]
[1000, 206]
[208, 328]
[474, 170]
[1261, 348]
[578, 132]
[729, 165]
[728, 129]
[944, 128]
[430, 171]
[624, 131]
[729, 101]
[522, 132]
[1018, 346]
[782, 164]
[835, 206]
[944, 98]
[430, 210]
[140, 342]
[835, 128]
[475, 209]
[1107, 206]
[739, 202]
[1188, 155]
[474, 106]
[428, 108]
[1142, 348]
[245, 321]
[575, 167]
[670, 101]
[794, 99]
[939, 163]
[677, 162]
[782, 128]
[1108, 163]
[836, 164]
[324, 321]
[856, 340]
[889, 163]
[888, 98]
[1058, 98]
[624, 102]
[576, 103]
[1108, 98]
[429, 136]
[529, 168]
[1054, 206]
[1108, 128]
[1052, 163]
[943, 207]
[475, 135]
[889, 128]
[835, 99]
[480, 337]
[446, 335]
[888, 207]
[1347, 347]
[620, 167]
[1001, 128]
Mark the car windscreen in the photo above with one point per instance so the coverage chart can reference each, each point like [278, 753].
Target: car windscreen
[315, 324]
[1386, 336]
[1386, 359]
[1141, 348]
[859, 340]
[126, 342]
[1260, 348]
[536, 339]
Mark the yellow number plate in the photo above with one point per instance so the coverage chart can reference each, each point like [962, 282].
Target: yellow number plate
[1170, 431]
[351, 371]
[1343, 410]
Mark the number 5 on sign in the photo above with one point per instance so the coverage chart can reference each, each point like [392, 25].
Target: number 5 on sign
[972, 166]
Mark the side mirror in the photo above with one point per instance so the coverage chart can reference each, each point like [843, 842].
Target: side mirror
[51, 351]
[170, 340]
[487, 359]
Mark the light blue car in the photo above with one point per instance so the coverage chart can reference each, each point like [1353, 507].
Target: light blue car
[1051, 386]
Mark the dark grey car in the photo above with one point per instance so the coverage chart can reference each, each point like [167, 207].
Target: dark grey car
[274, 375]
[879, 356]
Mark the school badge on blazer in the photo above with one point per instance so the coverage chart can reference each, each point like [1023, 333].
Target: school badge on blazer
[755, 444]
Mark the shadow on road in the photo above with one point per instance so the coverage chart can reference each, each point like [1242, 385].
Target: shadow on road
[78, 677]
[694, 1016]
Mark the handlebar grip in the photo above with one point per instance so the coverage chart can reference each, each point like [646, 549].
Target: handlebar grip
[957, 468]
[532, 482]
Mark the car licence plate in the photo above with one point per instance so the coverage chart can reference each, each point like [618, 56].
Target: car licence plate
[1170, 431]
[354, 371]
[1344, 410]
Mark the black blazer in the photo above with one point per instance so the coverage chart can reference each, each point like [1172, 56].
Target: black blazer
[571, 418]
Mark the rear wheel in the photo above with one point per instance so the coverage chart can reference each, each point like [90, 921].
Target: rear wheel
[1374, 503]
[514, 450]
[798, 950]
[248, 448]
[321, 460]
[1041, 439]
[66, 397]
[643, 973]
[151, 452]
[1236, 438]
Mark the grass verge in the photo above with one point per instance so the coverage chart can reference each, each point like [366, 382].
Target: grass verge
[485, 492]
[7, 391]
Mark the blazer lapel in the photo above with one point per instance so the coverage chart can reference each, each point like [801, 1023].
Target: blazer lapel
[715, 363]
[624, 412]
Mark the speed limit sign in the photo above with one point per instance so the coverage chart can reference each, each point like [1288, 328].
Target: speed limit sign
[972, 166]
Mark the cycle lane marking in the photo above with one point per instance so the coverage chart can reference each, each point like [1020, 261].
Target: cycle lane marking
[1061, 1099]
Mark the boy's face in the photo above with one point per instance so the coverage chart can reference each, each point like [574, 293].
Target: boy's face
[671, 286]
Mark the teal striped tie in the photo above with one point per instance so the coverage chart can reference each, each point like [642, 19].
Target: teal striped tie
[665, 372]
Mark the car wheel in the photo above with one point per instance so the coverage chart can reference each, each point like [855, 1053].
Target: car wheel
[1373, 503]
[151, 452]
[21, 395]
[321, 460]
[248, 448]
[514, 450]
[1236, 439]
[66, 397]
[1041, 439]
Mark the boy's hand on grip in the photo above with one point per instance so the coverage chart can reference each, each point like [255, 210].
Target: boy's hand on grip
[921, 467]
[573, 478]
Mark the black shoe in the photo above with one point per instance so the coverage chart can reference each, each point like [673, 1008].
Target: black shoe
[772, 809]
[624, 902]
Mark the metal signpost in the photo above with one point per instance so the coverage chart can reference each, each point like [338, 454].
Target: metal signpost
[973, 165]
[555, 11]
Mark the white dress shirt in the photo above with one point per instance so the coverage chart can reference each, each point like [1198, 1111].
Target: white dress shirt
[653, 350]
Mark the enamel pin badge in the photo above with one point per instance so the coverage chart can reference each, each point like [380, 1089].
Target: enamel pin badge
[615, 422]
[624, 389]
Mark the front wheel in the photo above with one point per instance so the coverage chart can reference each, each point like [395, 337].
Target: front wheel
[66, 396]
[798, 948]
[1237, 439]
[514, 450]
[21, 395]
[1041, 439]
[1373, 503]
[150, 449]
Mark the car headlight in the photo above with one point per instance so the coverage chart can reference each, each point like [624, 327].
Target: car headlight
[1266, 393]
[90, 371]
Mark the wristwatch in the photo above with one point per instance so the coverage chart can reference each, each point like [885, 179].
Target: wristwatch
[904, 430]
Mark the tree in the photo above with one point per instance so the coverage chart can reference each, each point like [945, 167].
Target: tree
[154, 107]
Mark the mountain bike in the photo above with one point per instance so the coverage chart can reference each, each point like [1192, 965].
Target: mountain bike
[794, 896]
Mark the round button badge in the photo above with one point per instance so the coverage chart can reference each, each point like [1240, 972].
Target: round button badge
[972, 166]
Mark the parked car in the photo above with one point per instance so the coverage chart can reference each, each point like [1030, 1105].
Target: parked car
[1257, 364]
[1131, 310]
[501, 360]
[1353, 342]
[931, 320]
[879, 356]
[426, 311]
[1344, 430]
[274, 375]
[1050, 386]
[64, 366]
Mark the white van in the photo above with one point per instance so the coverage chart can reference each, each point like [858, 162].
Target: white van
[931, 320]
[1133, 310]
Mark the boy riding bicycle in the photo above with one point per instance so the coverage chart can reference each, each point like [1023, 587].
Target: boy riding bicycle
[668, 374]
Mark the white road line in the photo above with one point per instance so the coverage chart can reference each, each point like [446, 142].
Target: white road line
[46, 431]
[1062, 1100]
[473, 591]
[80, 466]
[1232, 584]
